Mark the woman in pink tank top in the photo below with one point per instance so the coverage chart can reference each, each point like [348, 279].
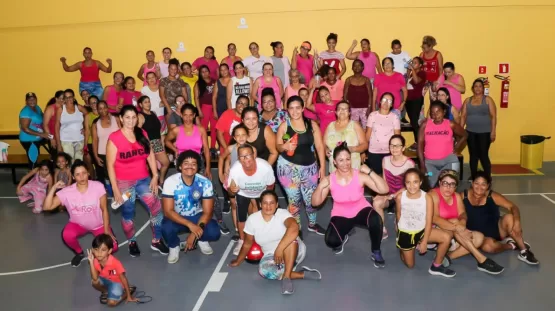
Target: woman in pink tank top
[450, 217]
[190, 137]
[231, 58]
[453, 82]
[128, 153]
[350, 207]
[435, 143]
[150, 66]
[112, 92]
[294, 84]
[267, 80]
[303, 62]
[90, 69]
[370, 59]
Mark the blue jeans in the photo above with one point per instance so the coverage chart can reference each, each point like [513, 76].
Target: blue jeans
[115, 289]
[94, 88]
[140, 189]
[170, 230]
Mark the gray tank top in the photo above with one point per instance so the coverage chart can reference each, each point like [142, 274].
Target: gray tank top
[234, 156]
[477, 117]
[279, 69]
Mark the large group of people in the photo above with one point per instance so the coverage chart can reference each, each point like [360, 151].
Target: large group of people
[276, 122]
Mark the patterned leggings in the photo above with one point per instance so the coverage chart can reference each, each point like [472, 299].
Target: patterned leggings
[299, 182]
[140, 189]
[359, 114]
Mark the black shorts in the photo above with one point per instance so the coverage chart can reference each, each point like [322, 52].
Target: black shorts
[407, 241]
[374, 162]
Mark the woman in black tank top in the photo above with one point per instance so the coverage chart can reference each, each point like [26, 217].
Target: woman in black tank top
[482, 209]
[148, 121]
[220, 92]
[297, 141]
[261, 136]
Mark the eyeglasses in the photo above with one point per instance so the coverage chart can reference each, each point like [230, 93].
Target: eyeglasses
[396, 146]
[68, 97]
[246, 156]
[448, 184]
[386, 100]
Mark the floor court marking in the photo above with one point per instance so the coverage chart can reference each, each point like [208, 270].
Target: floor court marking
[548, 198]
[217, 279]
[69, 263]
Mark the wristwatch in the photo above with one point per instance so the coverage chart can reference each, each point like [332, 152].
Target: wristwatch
[201, 225]
[369, 171]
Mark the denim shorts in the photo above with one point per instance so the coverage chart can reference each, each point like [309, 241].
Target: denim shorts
[115, 289]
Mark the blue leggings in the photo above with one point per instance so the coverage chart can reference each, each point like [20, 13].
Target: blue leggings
[170, 230]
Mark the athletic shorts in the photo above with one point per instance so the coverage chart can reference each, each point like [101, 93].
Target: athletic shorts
[408, 240]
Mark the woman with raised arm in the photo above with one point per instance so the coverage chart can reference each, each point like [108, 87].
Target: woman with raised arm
[90, 68]
[370, 59]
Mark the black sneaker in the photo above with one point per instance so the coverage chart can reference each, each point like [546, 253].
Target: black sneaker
[391, 210]
[377, 257]
[442, 271]
[134, 250]
[338, 250]
[528, 257]
[227, 207]
[490, 266]
[156, 246]
[235, 238]
[223, 228]
[316, 228]
[76, 261]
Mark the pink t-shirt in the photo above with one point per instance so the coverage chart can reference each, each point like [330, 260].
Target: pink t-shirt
[456, 97]
[383, 127]
[438, 140]
[305, 67]
[395, 174]
[212, 65]
[392, 84]
[130, 98]
[348, 200]
[336, 90]
[292, 92]
[326, 114]
[131, 158]
[84, 208]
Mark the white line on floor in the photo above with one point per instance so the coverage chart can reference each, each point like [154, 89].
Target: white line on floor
[68, 263]
[548, 198]
[216, 280]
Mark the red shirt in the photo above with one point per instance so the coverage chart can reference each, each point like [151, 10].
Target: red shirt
[415, 90]
[212, 65]
[431, 68]
[111, 270]
[131, 158]
[227, 121]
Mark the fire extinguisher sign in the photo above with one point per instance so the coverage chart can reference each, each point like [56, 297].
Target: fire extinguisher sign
[504, 68]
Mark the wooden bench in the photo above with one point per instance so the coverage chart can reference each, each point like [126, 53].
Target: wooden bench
[17, 161]
[414, 156]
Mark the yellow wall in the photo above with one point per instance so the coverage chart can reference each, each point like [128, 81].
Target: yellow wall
[35, 34]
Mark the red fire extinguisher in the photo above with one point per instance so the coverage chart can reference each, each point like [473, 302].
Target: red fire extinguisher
[505, 85]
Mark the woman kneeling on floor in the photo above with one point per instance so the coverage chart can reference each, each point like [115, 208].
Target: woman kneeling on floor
[85, 201]
[450, 216]
[277, 233]
[350, 207]
[414, 223]
[501, 232]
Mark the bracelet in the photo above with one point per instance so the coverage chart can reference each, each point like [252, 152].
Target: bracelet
[370, 171]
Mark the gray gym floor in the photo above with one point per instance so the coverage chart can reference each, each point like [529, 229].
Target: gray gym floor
[350, 281]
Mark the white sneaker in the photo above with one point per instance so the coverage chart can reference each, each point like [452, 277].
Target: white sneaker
[238, 247]
[205, 248]
[173, 257]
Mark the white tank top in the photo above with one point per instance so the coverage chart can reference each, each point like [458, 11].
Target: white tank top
[240, 87]
[413, 213]
[71, 126]
[155, 100]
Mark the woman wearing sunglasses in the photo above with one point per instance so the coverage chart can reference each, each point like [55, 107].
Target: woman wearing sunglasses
[450, 216]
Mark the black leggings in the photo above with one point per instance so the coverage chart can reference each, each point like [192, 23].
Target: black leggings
[27, 146]
[101, 171]
[413, 108]
[243, 204]
[478, 149]
[339, 227]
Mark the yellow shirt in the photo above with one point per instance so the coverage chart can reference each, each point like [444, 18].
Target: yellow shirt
[92, 117]
[191, 82]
